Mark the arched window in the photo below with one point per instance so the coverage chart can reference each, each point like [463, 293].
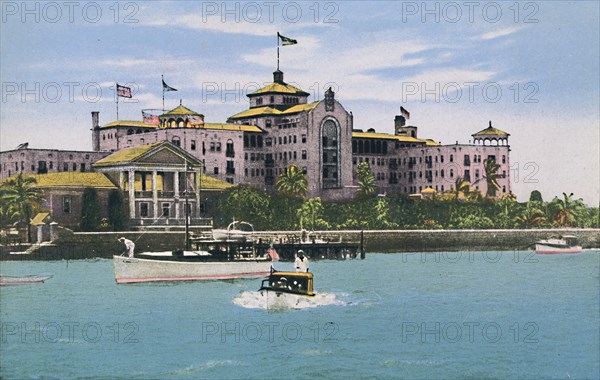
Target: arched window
[331, 149]
[130, 131]
[176, 141]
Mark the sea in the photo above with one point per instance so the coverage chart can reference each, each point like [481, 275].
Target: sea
[442, 315]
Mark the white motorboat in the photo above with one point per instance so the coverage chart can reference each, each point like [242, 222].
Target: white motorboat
[563, 244]
[22, 280]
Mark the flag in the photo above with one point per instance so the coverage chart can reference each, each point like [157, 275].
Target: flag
[273, 254]
[286, 41]
[166, 87]
[123, 91]
[150, 118]
[405, 113]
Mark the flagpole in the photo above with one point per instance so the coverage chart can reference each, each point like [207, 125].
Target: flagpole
[117, 92]
[277, 50]
[163, 88]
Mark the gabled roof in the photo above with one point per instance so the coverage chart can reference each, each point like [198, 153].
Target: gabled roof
[182, 110]
[70, 179]
[128, 123]
[143, 153]
[279, 88]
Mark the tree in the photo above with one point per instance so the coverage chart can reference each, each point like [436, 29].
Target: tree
[117, 211]
[531, 217]
[90, 210]
[462, 188]
[566, 210]
[248, 204]
[491, 177]
[536, 196]
[20, 199]
[366, 180]
[292, 182]
[310, 215]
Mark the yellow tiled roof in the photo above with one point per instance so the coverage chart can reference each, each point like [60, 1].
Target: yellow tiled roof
[256, 111]
[279, 87]
[181, 110]
[431, 142]
[385, 136]
[38, 220]
[491, 131]
[128, 123]
[259, 111]
[230, 127]
[211, 183]
[428, 190]
[126, 155]
[70, 179]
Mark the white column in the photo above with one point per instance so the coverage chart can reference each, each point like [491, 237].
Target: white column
[198, 182]
[154, 195]
[131, 189]
[176, 192]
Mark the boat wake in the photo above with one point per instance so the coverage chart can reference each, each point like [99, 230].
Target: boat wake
[272, 301]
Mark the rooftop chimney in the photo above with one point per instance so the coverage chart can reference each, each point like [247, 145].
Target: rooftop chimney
[95, 119]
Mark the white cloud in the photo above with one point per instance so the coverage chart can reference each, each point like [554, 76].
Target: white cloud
[499, 33]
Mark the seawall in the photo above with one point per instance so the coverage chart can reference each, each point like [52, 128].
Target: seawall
[86, 245]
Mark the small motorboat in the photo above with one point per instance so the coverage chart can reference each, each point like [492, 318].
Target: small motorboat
[562, 244]
[22, 280]
[294, 283]
[234, 232]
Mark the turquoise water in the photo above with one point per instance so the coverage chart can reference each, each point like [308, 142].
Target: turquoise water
[477, 316]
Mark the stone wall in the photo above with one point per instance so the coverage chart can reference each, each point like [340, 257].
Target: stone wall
[83, 245]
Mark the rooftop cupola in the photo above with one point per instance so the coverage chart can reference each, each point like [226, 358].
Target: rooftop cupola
[278, 77]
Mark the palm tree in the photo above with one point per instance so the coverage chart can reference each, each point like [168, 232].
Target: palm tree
[292, 182]
[366, 180]
[491, 177]
[567, 210]
[21, 197]
[461, 187]
[531, 216]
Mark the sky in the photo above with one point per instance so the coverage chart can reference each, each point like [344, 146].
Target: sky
[531, 68]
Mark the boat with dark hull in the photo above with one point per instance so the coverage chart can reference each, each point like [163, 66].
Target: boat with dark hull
[289, 283]
[562, 244]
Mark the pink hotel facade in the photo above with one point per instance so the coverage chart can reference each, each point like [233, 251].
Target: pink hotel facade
[280, 128]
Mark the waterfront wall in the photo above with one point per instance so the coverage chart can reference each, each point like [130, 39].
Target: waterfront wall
[82, 245]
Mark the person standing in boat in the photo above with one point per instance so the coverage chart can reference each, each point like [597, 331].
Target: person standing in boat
[129, 245]
[301, 262]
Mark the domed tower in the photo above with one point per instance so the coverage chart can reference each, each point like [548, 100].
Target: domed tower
[491, 136]
[181, 117]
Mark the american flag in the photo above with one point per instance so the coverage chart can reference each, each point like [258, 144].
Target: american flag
[123, 91]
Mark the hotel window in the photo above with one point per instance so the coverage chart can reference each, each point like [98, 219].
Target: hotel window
[166, 207]
[451, 158]
[304, 155]
[176, 141]
[216, 170]
[303, 139]
[193, 145]
[272, 99]
[212, 146]
[268, 122]
[451, 173]
[67, 204]
[65, 167]
[74, 167]
[503, 159]
[218, 147]
[143, 210]
[229, 152]
[82, 167]
[50, 165]
[268, 141]
[295, 139]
